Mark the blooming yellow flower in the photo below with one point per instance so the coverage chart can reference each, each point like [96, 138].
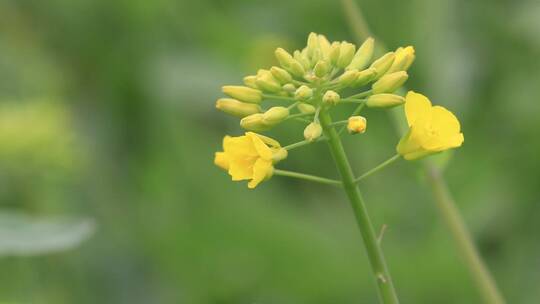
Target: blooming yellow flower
[432, 129]
[249, 157]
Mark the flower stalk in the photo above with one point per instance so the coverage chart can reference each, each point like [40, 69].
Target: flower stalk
[377, 261]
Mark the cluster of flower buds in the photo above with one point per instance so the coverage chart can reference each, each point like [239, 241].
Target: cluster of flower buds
[311, 79]
[311, 82]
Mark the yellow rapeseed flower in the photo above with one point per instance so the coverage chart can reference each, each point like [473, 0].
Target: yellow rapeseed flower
[432, 129]
[249, 157]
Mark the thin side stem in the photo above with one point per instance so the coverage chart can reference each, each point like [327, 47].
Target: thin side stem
[378, 167]
[376, 258]
[308, 177]
[352, 100]
[297, 145]
[462, 237]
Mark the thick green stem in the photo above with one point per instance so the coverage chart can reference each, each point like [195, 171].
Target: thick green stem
[376, 258]
[462, 237]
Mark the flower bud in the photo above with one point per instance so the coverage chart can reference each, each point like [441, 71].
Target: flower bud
[356, 124]
[279, 155]
[382, 64]
[324, 45]
[346, 54]
[313, 131]
[302, 58]
[266, 81]
[288, 62]
[250, 81]
[404, 59]
[363, 55]
[237, 108]
[289, 88]
[321, 68]
[242, 93]
[283, 57]
[312, 43]
[303, 93]
[364, 77]
[384, 100]
[334, 52]
[390, 82]
[281, 75]
[254, 122]
[348, 77]
[275, 115]
[331, 97]
[306, 108]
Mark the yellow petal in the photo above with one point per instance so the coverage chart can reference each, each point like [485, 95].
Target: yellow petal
[263, 151]
[221, 160]
[444, 122]
[261, 170]
[239, 146]
[242, 169]
[416, 105]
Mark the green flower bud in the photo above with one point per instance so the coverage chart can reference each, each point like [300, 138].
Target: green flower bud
[348, 77]
[404, 59]
[324, 45]
[390, 82]
[331, 97]
[346, 54]
[302, 58]
[313, 131]
[275, 115]
[306, 108]
[321, 68]
[250, 81]
[312, 43]
[254, 122]
[283, 57]
[281, 75]
[237, 108]
[364, 77]
[266, 81]
[242, 93]
[334, 52]
[289, 88]
[363, 55]
[384, 100]
[384, 63]
[303, 93]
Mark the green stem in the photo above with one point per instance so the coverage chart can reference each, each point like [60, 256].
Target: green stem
[462, 237]
[308, 177]
[376, 258]
[293, 116]
[341, 122]
[352, 100]
[360, 95]
[297, 145]
[446, 205]
[378, 168]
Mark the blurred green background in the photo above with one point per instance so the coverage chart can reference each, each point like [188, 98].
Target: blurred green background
[107, 113]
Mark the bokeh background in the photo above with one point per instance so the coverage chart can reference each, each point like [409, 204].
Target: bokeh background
[107, 116]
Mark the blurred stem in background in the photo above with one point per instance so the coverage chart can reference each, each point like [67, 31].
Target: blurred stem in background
[445, 203]
[377, 261]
